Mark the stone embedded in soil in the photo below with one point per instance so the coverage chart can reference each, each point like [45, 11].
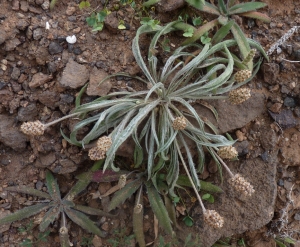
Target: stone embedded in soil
[65, 166]
[15, 73]
[46, 160]
[55, 48]
[3, 36]
[49, 99]
[10, 45]
[269, 139]
[285, 119]
[170, 5]
[94, 88]
[240, 214]
[271, 72]
[290, 149]
[112, 22]
[289, 102]
[6, 96]
[10, 135]
[74, 75]
[39, 79]
[22, 24]
[27, 113]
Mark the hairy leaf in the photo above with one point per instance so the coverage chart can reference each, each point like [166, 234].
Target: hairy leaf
[159, 208]
[245, 7]
[52, 186]
[83, 221]
[29, 191]
[120, 196]
[257, 15]
[23, 213]
[49, 218]
[137, 222]
[93, 211]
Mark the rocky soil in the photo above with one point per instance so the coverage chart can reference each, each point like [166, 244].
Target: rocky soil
[41, 74]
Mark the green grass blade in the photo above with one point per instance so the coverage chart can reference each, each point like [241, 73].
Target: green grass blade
[23, 213]
[170, 209]
[222, 7]
[245, 7]
[159, 209]
[52, 186]
[83, 221]
[49, 218]
[29, 191]
[257, 15]
[78, 97]
[120, 196]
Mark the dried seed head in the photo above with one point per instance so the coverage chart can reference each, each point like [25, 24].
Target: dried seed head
[228, 152]
[96, 153]
[179, 123]
[212, 218]
[138, 208]
[250, 56]
[239, 95]
[242, 75]
[122, 181]
[35, 128]
[104, 143]
[241, 185]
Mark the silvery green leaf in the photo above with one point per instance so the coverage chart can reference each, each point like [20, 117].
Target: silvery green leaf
[52, 186]
[49, 218]
[150, 157]
[23, 213]
[139, 117]
[29, 191]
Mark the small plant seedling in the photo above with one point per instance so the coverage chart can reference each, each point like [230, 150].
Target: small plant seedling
[197, 21]
[121, 25]
[241, 242]
[205, 39]
[188, 220]
[188, 32]
[208, 197]
[165, 44]
[84, 5]
[55, 206]
[150, 22]
[96, 20]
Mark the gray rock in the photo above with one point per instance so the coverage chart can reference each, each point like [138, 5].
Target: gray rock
[15, 5]
[39, 79]
[289, 102]
[233, 117]
[24, 6]
[170, 5]
[268, 138]
[94, 88]
[3, 36]
[22, 24]
[42, 55]
[10, 45]
[38, 34]
[74, 75]
[271, 72]
[10, 134]
[55, 48]
[27, 113]
[15, 73]
[285, 119]
[49, 99]
[46, 160]
[46, 5]
[65, 166]
[112, 22]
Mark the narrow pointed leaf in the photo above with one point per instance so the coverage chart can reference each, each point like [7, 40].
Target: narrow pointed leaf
[83, 221]
[222, 32]
[93, 211]
[206, 186]
[120, 196]
[29, 191]
[246, 7]
[200, 31]
[241, 40]
[52, 186]
[49, 218]
[222, 7]
[205, 7]
[257, 15]
[159, 209]
[78, 97]
[171, 209]
[137, 221]
[23, 213]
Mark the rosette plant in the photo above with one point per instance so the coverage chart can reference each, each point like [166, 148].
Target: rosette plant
[226, 12]
[161, 118]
